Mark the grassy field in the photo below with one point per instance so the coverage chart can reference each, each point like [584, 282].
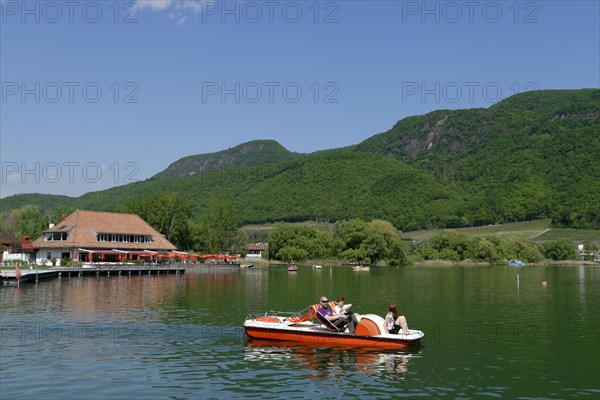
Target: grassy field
[571, 234]
[526, 230]
[538, 230]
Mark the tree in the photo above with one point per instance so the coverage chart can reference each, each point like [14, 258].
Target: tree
[286, 238]
[562, 249]
[291, 253]
[456, 242]
[352, 232]
[218, 231]
[521, 249]
[26, 221]
[166, 212]
[483, 249]
[57, 214]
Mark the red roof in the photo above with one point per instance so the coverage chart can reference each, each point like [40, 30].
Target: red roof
[82, 227]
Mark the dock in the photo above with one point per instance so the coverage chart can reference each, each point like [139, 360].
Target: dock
[7, 277]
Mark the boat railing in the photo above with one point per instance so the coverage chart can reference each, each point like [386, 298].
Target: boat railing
[272, 313]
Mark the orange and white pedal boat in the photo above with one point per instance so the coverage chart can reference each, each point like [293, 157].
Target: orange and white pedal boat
[370, 331]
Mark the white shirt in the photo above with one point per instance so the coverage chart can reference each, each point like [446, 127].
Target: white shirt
[389, 320]
[340, 310]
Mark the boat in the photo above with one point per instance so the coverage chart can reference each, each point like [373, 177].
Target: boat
[292, 267]
[370, 331]
[246, 265]
[317, 267]
[516, 263]
[361, 268]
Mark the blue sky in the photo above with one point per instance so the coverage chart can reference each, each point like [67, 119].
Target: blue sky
[100, 93]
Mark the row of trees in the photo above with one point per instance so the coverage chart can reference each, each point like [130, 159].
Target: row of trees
[455, 246]
[352, 240]
[359, 241]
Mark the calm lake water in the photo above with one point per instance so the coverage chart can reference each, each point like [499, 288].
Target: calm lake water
[490, 333]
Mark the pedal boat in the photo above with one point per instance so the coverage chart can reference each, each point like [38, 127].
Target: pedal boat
[369, 331]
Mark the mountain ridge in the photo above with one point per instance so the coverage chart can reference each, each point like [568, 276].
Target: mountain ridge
[254, 152]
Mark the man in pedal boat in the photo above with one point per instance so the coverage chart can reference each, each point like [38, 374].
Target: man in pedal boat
[327, 317]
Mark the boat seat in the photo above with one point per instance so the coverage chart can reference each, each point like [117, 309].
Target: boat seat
[313, 313]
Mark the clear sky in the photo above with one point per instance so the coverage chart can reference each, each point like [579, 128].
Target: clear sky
[100, 93]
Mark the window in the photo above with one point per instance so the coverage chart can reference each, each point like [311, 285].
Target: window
[123, 238]
[52, 236]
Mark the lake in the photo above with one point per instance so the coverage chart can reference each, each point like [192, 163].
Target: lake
[491, 332]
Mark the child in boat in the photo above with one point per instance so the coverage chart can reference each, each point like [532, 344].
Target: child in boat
[393, 322]
[344, 309]
[341, 307]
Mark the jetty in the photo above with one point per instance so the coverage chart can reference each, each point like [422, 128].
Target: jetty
[8, 277]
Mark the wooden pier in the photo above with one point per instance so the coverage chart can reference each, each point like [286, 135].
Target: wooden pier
[7, 277]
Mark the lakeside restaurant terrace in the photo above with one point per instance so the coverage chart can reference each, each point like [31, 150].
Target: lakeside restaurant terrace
[126, 256]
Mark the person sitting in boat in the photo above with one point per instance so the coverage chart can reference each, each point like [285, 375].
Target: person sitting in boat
[393, 322]
[344, 309]
[341, 307]
[328, 318]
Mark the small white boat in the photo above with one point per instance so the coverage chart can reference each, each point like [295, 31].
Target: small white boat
[317, 267]
[361, 268]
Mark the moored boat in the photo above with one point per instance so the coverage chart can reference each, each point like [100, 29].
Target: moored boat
[292, 267]
[370, 331]
[317, 267]
[516, 263]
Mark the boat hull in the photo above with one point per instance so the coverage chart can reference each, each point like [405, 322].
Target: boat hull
[330, 339]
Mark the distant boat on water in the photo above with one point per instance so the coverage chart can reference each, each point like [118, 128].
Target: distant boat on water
[317, 267]
[292, 267]
[516, 263]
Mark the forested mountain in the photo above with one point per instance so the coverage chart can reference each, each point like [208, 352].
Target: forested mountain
[533, 155]
[256, 152]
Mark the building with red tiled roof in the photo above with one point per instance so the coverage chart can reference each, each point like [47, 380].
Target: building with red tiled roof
[255, 250]
[100, 236]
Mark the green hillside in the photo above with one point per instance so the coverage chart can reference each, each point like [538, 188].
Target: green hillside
[532, 156]
[44, 201]
[330, 186]
[257, 152]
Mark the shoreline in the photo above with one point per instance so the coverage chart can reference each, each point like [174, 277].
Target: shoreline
[546, 263]
[431, 263]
